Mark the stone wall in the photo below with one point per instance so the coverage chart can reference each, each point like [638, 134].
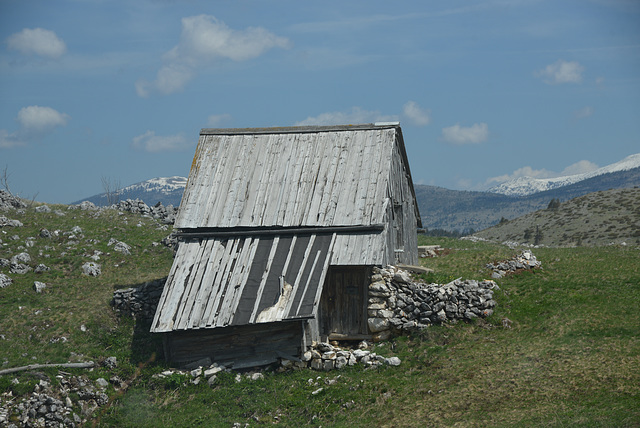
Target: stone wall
[139, 302]
[397, 304]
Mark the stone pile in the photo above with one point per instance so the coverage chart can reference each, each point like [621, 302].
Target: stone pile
[397, 304]
[68, 404]
[4, 221]
[139, 302]
[325, 357]
[8, 201]
[166, 215]
[429, 251]
[523, 261]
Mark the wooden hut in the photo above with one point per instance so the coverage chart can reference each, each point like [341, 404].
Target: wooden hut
[280, 228]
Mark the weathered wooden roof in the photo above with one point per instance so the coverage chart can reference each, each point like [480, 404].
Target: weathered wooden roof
[244, 280]
[290, 177]
[264, 213]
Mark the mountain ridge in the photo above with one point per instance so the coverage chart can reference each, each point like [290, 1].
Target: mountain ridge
[459, 211]
[524, 186]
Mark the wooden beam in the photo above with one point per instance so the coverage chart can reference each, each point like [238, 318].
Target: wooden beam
[232, 232]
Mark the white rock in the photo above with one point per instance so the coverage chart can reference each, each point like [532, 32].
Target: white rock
[392, 361]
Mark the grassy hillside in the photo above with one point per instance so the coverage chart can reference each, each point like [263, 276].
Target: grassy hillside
[562, 348]
[599, 218]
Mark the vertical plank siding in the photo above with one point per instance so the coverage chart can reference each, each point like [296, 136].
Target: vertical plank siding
[219, 283]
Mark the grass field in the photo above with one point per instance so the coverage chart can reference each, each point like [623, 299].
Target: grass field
[570, 356]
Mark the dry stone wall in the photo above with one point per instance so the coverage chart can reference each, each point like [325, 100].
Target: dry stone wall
[397, 304]
[139, 302]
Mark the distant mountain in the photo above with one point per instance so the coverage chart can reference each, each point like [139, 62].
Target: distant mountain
[455, 210]
[523, 186]
[598, 218]
[440, 208]
[167, 190]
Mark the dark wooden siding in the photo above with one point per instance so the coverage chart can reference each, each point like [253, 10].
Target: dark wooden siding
[343, 306]
[240, 346]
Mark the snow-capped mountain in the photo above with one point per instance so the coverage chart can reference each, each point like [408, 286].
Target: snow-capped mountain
[523, 186]
[165, 185]
[167, 190]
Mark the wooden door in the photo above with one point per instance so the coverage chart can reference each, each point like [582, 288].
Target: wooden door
[343, 307]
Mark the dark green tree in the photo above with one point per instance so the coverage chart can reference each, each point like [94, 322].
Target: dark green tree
[554, 204]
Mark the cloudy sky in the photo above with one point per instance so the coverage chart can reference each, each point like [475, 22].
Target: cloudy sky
[484, 90]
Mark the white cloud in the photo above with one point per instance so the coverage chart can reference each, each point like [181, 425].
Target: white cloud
[561, 72]
[36, 119]
[9, 140]
[150, 142]
[583, 112]
[35, 122]
[416, 114]
[204, 36]
[474, 134]
[579, 167]
[203, 40]
[355, 116]
[37, 41]
[218, 119]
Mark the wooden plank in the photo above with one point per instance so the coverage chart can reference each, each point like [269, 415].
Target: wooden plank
[215, 278]
[271, 154]
[254, 168]
[193, 306]
[212, 163]
[235, 196]
[265, 275]
[175, 288]
[239, 278]
[315, 213]
[223, 311]
[297, 170]
[209, 284]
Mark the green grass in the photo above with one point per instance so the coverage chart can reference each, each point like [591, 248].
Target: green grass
[570, 358]
[47, 327]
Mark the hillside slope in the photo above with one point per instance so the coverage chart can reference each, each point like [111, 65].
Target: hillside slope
[506, 368]
[599, 218]
[459, 210]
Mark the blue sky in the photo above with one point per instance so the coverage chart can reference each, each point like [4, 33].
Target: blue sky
[483, 90]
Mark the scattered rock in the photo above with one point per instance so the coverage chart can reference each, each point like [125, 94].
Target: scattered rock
[42, 268]
[21, 258]
[123, 248]
[523, 261]
[4, 221]
[5, 280]
[39, 286]
[110, 362]
[91, 269]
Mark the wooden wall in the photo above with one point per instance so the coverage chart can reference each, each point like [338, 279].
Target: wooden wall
[244, 346]
[402, 239]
